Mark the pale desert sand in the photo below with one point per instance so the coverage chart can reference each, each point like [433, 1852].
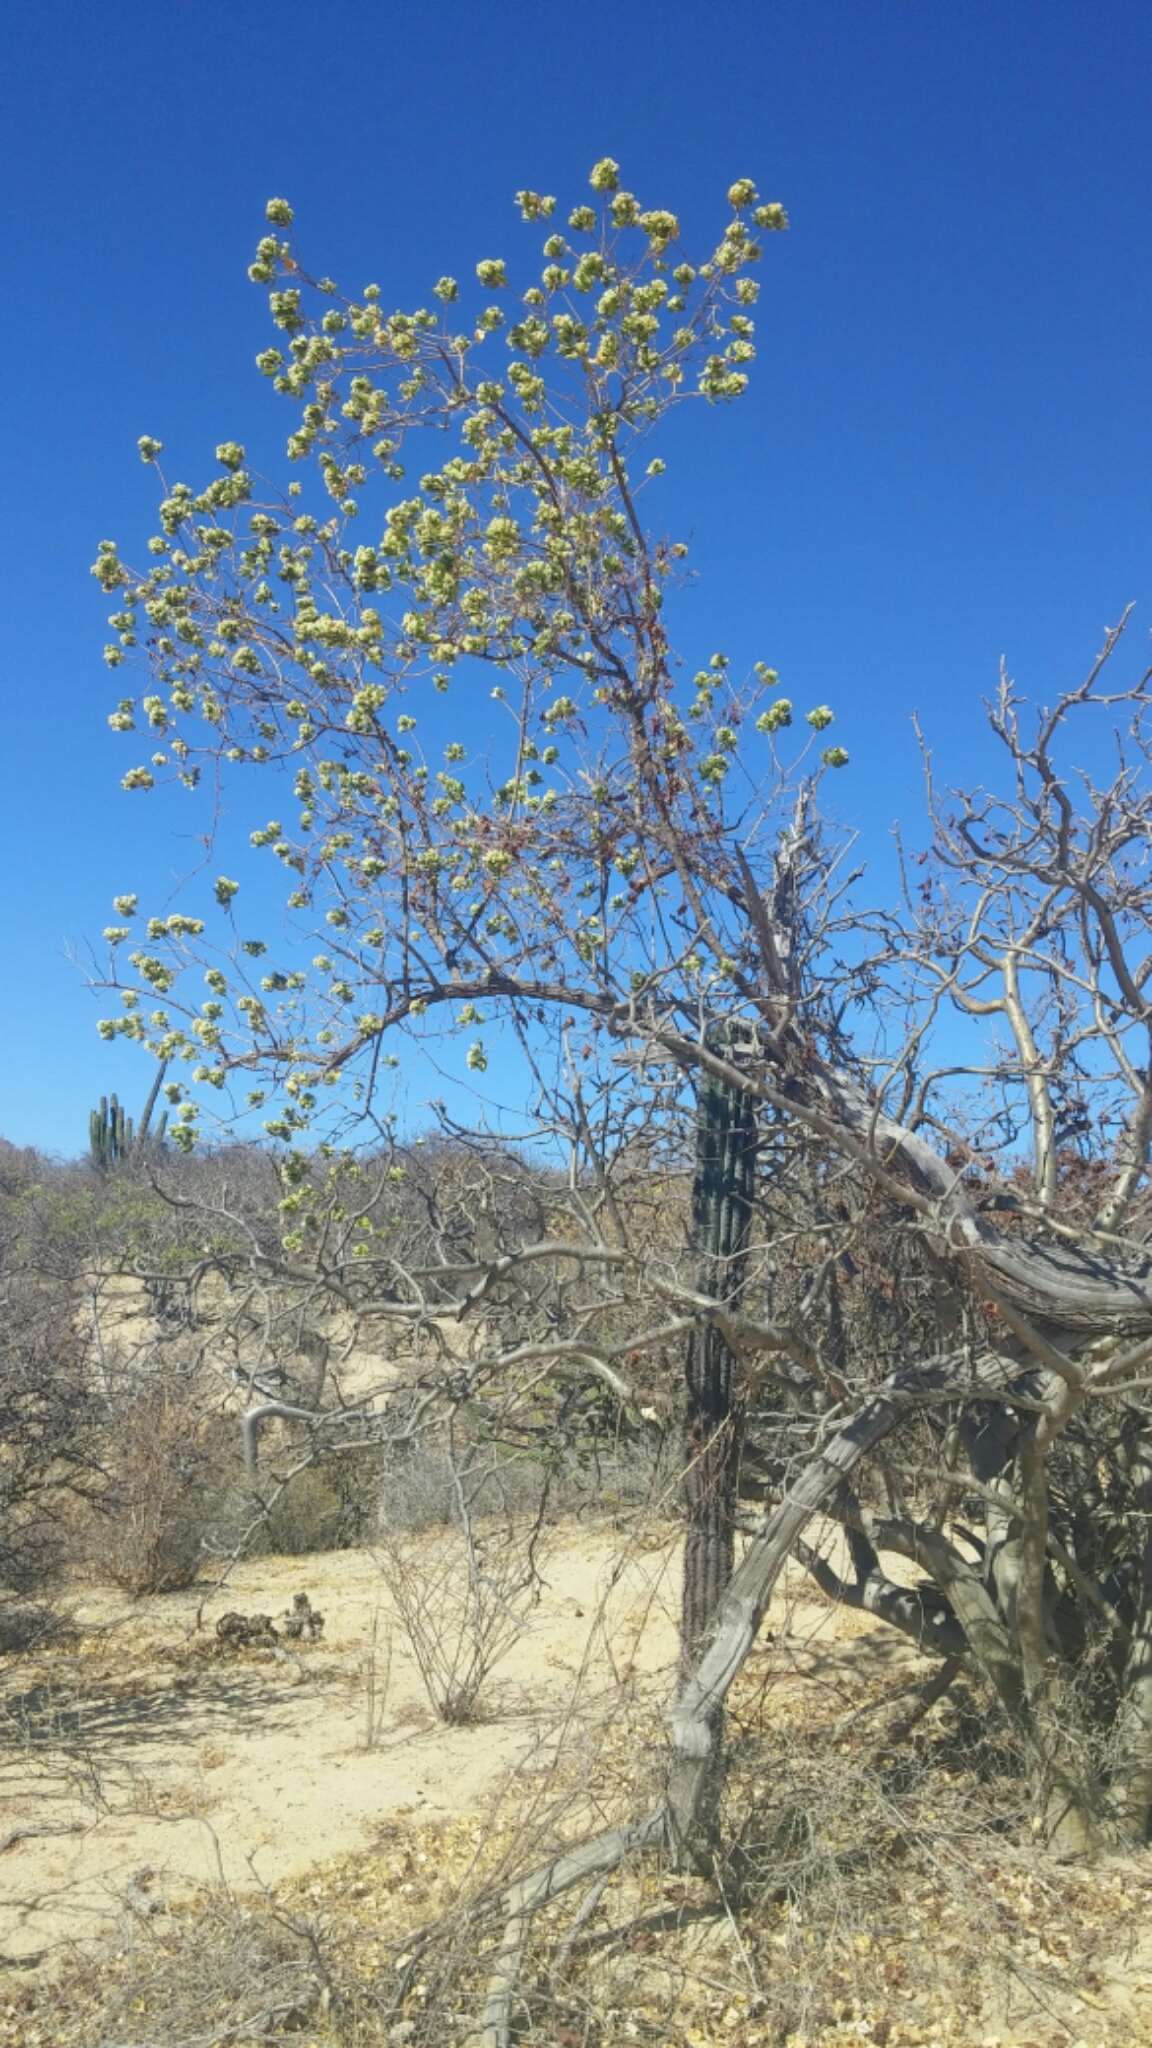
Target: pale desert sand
[180, 1768]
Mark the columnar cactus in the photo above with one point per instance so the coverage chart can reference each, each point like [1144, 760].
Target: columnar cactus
[726, 1138]
[112, 1136]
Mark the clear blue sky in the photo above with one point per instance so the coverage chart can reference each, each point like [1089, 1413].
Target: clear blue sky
[947, 456]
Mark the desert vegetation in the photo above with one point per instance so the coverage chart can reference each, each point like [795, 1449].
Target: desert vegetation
[812, 1261]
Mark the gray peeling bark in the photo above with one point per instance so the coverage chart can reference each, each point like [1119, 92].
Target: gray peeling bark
[524, 1899]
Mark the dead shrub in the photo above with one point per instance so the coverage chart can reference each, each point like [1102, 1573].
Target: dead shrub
[462, 1598]
[168, 1466]
[420, 1488]
[217, 1971]
[47, 1415]
[462, 1601]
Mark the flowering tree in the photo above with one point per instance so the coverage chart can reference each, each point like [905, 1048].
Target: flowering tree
[932, 1264]
[469, 521]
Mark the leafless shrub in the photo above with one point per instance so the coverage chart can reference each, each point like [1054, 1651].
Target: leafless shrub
[46, 1433]
[462, 1601]
[220, 1971]
[463, 1598]
[166, 1462]
[419, 1491]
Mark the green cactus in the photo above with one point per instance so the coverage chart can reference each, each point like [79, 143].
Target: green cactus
[111, 1135]
[113, 1139]
[722, 1189]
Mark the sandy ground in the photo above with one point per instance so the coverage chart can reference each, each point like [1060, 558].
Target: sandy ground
[145, 1764]
[153, 1764]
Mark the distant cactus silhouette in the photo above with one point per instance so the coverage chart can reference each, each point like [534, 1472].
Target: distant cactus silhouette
[113, 1138]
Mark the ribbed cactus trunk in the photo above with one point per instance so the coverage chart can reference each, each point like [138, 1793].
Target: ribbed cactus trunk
[110, 1135]
[722, 1209]
[722, 1203]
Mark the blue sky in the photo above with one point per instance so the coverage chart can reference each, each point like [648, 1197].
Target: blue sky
[946, 456]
